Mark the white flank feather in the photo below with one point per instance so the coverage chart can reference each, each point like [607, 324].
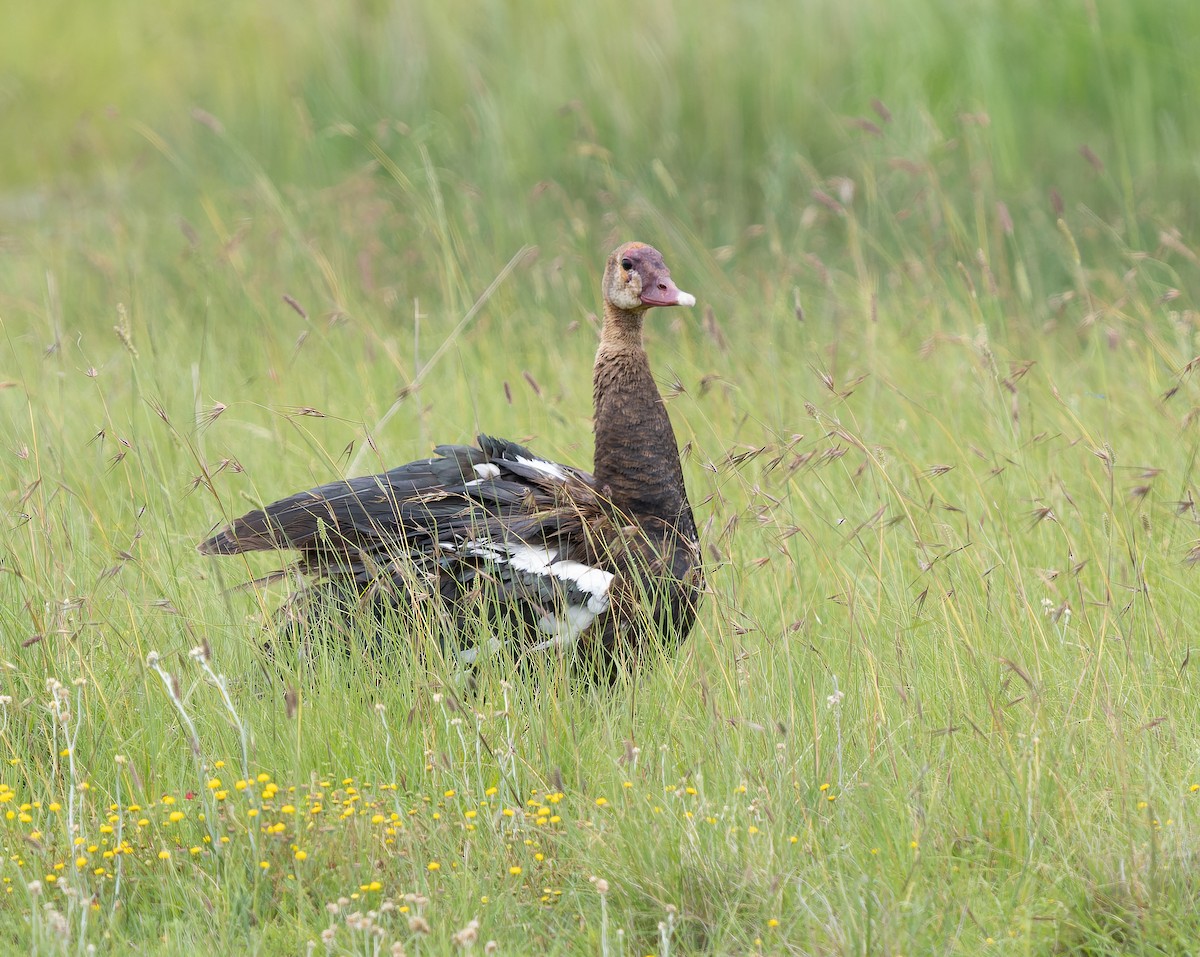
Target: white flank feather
[539, 560]
[531, 558]
[546, 468]
[564, 630]
[594, 581]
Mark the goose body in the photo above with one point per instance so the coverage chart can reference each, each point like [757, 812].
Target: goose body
[506, 542]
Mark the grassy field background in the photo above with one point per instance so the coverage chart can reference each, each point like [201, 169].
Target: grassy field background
[941, 422]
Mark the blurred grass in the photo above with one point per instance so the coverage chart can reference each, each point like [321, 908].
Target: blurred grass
[942, 437]
[508, 97]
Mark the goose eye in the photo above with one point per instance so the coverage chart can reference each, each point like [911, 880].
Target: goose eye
[627, 265]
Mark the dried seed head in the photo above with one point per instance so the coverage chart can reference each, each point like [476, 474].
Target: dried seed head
[123, 331]
[466, 937]
[57, 923]
[419, 925]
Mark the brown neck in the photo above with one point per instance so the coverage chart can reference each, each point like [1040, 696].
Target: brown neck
[637, 458]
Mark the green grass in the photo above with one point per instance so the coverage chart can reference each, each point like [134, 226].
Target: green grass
[941, 426]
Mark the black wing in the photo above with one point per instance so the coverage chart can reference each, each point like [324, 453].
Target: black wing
[459, 490]
[495, 516]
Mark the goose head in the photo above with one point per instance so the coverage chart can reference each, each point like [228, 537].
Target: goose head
[636, 278]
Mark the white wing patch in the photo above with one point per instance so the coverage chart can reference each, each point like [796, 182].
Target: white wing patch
[566, 628]
[594, 581]
[540, 561]
[548, 469]
[486, 470]
[479, 548]
[530, 558]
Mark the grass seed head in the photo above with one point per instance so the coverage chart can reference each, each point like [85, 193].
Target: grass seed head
[419, 925]
[466, 937]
